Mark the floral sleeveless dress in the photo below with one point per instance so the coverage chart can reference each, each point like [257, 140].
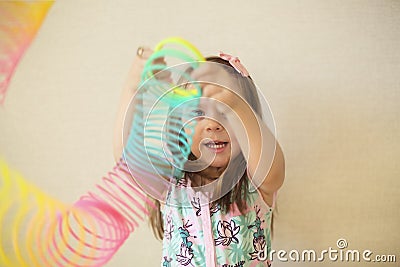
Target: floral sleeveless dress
[197, 233]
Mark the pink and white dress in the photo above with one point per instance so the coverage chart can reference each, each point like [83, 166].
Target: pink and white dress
[197, 233]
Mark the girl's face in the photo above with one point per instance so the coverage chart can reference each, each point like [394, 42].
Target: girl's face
[210, 138]
[211, 142]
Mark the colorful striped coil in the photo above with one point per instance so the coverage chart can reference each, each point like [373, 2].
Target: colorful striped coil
[157, 147]
[38, 230]
[19, 23]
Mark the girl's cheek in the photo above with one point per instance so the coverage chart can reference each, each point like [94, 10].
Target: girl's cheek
[195, 146]
[235, 147]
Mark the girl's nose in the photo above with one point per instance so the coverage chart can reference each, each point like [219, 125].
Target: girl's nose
[213, 126]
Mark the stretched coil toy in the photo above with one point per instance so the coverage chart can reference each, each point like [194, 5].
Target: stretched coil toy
[37, 230]
[19, 22]
[158, 147]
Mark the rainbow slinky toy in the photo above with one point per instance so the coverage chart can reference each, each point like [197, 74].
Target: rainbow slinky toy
[37, 230]
[19, 22]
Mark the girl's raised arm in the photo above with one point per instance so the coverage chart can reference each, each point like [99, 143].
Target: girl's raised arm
[265, 160]
[121, 131]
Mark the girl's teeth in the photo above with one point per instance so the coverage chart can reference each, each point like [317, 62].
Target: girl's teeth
[214, 146]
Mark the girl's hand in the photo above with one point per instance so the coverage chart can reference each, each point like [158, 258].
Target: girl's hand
[131, 85]
[137, 68]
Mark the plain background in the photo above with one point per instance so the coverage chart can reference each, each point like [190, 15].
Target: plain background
[329, 70]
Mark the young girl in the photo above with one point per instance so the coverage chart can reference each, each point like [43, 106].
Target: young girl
[232, 228]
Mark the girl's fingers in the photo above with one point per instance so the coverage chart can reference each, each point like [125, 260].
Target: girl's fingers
[140, 62]
[204, 73]
[163, 75]
[210, 90]
[144, 55]
[215, 75]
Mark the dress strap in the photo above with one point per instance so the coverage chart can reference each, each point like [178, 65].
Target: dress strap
[274, 196]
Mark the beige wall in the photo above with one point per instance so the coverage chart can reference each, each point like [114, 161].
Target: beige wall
[329, 69]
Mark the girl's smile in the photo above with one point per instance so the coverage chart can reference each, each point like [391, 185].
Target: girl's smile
[217, 146]
[212, 143]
